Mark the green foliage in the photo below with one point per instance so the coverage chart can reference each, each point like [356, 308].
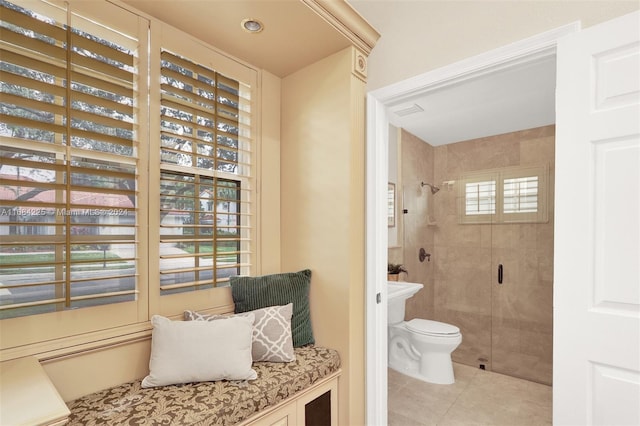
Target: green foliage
[395, 268]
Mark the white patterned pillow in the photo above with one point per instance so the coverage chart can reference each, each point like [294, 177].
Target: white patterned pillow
[272, 339]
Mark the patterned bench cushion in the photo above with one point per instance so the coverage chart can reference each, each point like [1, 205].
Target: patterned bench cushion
[207, 403]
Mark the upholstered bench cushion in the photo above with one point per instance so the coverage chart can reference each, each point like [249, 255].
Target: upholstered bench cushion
[206, 403]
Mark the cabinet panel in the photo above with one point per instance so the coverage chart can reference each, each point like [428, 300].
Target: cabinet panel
[312, 406]
[283, 416]
[318, 411]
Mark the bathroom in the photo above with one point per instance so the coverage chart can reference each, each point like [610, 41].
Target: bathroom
[506, 328]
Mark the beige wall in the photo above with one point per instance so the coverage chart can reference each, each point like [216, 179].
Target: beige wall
[268, 179]
[322, 193]
[509, 326]
[422, 35]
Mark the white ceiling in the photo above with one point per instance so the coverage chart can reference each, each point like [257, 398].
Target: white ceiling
[517, 98]
[508, 100]
[294, 36]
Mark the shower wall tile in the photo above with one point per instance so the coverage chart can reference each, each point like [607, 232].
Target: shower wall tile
[395, 254]
[506, 237]
[538, 149]
[417, 167]
[528, 235]
[484, 153]
[476, 336]
[460, 285]
[522, 349]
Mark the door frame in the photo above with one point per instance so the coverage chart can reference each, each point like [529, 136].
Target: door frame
[377, 145]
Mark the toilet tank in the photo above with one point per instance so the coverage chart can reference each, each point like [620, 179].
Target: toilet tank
[397, 294]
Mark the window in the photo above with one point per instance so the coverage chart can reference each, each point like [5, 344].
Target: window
[126, 172]
[69, 132]
[204, 179]
[510, 195]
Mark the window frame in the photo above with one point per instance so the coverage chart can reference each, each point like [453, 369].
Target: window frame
[166, 37]
[499, 176]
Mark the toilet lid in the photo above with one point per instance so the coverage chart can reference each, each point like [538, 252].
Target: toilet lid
[424, 326]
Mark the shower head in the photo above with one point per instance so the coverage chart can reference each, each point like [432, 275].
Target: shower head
[434, 189]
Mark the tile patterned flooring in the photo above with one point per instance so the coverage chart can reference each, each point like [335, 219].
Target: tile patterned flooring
[477, 397]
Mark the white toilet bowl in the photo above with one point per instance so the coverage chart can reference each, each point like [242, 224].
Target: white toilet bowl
[422, 349]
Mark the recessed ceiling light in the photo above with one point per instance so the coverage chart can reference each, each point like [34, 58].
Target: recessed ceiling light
[252, 25]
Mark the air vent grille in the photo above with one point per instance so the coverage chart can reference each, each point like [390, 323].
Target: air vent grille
[407, 110]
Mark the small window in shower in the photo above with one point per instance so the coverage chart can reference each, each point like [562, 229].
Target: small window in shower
[524, 192]
[508, 195]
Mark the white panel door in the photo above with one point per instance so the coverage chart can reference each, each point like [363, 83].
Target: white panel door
[596, 377]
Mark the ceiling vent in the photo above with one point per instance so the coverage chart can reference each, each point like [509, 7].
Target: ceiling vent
[407, 110]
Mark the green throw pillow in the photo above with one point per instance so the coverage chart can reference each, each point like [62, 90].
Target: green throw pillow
[251, 293]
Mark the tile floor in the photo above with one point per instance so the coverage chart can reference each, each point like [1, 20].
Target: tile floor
[477, 397]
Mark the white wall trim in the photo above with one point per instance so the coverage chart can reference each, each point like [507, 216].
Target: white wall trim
[530, 49]
[377, 159]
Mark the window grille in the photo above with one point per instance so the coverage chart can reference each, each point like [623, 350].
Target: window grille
[480, 198]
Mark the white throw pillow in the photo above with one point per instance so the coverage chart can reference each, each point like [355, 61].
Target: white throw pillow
[272, 340]
[199, 351]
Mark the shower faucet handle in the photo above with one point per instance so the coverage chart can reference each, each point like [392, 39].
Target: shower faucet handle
[424, 255]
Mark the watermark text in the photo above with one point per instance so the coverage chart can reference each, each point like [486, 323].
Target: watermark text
[31, 212]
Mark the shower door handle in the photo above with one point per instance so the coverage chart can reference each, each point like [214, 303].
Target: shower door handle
[500, 273]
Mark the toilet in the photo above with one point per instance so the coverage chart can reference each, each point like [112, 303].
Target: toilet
[420, 348]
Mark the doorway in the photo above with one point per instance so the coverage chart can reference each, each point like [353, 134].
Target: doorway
[378, 103]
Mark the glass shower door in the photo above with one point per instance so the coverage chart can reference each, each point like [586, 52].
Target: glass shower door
[522, 297]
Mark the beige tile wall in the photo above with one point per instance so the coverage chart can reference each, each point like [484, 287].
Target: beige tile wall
[508, 328]
[417, 166]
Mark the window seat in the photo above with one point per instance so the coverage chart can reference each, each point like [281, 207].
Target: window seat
[273, 394]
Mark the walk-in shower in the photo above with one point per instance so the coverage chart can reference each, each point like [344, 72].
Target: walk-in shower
[490, 272]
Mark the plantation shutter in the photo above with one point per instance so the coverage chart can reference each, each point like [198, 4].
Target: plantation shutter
[507, 195]
[68, 162]
[521, 195]
[480, 198]
[524, 193]
[477, 198]
[205, 196]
